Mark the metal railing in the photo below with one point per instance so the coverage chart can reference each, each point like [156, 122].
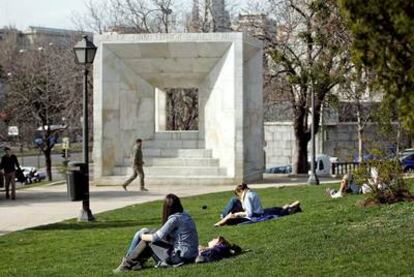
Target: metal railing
[341, 168]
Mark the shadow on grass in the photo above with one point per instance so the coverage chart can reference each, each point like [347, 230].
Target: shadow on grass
[24, 197]
[96, 225]
[290, 179]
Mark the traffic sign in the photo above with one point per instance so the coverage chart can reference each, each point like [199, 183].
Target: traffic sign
[13, 131]
[65, 143]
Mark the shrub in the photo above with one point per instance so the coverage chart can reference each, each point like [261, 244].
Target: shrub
[387, 187]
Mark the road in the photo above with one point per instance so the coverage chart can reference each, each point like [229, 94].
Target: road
[39, 160]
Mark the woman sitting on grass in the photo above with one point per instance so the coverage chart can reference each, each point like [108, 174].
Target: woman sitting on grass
[246, 207]
[174, 244]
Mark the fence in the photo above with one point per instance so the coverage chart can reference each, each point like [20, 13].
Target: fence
[341, 168]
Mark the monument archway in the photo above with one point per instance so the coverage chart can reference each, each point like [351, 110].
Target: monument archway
[131, 73]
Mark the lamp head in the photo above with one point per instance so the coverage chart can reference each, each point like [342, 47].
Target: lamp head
[85, 51]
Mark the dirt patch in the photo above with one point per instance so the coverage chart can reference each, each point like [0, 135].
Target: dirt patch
[386, 197]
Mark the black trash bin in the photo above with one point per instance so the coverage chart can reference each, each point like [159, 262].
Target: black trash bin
[77, 181]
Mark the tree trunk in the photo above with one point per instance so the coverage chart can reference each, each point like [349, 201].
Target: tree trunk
[48, 159]
[302, 138]
[301, 158]
[360, 130]
[398, 140]
[360, 141]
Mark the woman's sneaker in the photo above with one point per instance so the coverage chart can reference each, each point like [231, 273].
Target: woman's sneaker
[294, 207]
[138, 266]
[122, 267]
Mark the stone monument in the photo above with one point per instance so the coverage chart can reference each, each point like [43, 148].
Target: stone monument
[132, 73]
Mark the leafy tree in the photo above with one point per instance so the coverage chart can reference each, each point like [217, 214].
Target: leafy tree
[310, 54]
[383, 40]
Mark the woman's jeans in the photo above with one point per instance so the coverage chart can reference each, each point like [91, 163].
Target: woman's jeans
[161, 252]
[233, 206]
[137, 238]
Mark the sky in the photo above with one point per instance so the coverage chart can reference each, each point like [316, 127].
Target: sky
[46, 13]
[50, 13]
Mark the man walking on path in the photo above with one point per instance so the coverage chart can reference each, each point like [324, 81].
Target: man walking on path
[137, 166]
[9, 164]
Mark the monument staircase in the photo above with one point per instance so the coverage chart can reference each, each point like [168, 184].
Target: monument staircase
[176, 158]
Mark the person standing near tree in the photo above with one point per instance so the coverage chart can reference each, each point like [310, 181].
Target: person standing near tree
[9, 164]
[137, 167]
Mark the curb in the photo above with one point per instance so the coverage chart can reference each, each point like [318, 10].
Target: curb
[61, 182]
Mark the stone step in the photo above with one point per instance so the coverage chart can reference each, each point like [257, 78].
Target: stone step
[155, 171]
[176, 162]
[167, 181]
[176, 153]
[177, 135]
[174, 144]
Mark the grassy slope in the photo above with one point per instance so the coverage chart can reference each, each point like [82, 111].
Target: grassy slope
[331, 237]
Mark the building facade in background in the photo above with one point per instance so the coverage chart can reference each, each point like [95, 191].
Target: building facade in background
[210, 16]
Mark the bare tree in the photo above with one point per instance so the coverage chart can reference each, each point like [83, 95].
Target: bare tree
[356, 90]
[127, 16]
[182, 109]
[43, 86]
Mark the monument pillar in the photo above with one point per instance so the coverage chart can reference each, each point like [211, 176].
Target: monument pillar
[161, 110]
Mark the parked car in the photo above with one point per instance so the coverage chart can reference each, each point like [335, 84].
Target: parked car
[322, 166]
[31, 175]
[407, 162]
[286, 169]
[406, 152]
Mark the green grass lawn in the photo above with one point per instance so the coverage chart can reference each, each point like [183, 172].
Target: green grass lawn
[331, 237]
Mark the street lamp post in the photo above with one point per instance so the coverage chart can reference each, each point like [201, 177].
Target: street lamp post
[85, 52]
[313, 178]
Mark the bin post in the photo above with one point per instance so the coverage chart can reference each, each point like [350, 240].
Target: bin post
[78, 188]
[85, 53]
[85, 213]
[76, 181]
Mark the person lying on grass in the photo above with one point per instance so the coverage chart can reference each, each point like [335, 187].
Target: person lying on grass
[347, 186]
[217, 249]
[174, 244]
[246, 207]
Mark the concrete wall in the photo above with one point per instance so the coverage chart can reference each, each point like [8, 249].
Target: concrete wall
[341, 140]
[124, 109]
[279, 143]
[161, 110]
[253, 114]
[218, 108]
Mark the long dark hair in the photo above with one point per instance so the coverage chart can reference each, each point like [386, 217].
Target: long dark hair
[240, 188]
[223, 241]
[172, 205]
[233, 249]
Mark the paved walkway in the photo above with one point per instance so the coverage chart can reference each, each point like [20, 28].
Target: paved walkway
[49, 204]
